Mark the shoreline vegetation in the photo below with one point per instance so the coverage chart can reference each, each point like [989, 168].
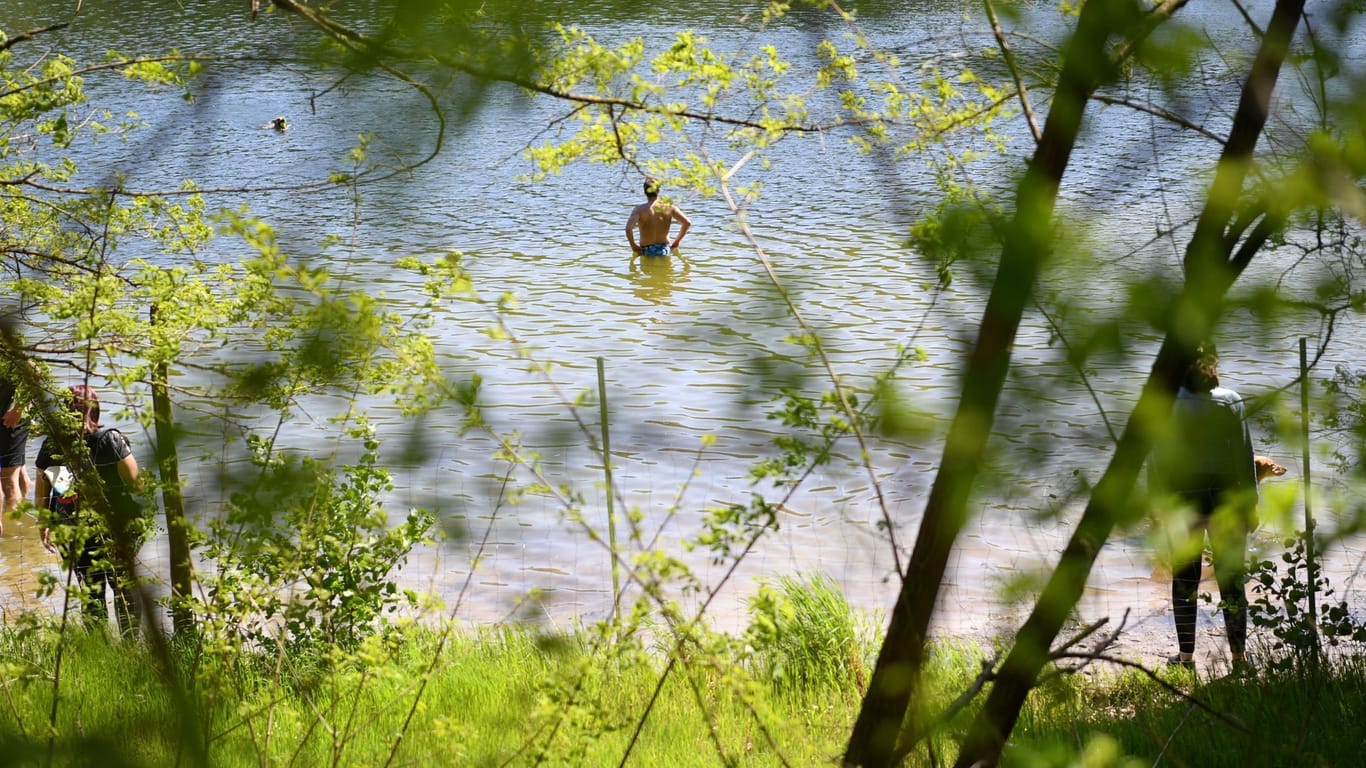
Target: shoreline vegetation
[292, 646]
[783, 693]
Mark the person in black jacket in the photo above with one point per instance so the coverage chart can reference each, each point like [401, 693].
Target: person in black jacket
[1207, 462]
[56, 490]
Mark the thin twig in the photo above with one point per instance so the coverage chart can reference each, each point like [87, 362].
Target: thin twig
[1014, 71]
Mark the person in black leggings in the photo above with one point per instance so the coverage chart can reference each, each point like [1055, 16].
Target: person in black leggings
[1228, 542]
[1206, 460]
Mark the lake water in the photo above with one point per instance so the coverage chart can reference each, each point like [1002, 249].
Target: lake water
[690, 343]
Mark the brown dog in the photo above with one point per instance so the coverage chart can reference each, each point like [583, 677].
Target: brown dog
[1267, 467]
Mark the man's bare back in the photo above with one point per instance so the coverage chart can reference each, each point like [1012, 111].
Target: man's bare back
[653, 218]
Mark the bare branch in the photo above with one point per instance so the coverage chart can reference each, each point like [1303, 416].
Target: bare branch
[1156, 111]
[6, 44]
[1001, 43]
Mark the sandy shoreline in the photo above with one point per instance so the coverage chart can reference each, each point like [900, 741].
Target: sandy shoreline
[1125, 590]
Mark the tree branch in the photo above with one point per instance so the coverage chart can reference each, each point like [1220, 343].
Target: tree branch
[1209, 274]
[1159, 112]
[1014, 71]
[8, 43]
[1025, 248]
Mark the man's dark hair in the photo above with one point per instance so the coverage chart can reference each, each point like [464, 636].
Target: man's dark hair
[1203, 375]
[651, 187]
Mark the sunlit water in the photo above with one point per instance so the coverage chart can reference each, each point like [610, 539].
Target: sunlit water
[685, 341]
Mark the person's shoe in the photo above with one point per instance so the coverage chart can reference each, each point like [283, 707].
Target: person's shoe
[1176, 661]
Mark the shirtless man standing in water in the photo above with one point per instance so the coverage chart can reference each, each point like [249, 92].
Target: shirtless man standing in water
[654, 219]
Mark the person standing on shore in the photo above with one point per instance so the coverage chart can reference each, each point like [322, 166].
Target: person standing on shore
[654, 218]
[86, 549]
[1207, 463]
[14, 428]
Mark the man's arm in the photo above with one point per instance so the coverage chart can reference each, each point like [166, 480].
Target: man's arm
[631, 229]
[13, 416]
[15, 412]
[683, 222]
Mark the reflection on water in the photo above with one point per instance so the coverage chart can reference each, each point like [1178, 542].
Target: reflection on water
[655, 277]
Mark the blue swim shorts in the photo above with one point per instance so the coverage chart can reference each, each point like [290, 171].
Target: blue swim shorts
[657, 249]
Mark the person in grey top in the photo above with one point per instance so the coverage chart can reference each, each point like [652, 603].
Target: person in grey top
[1207, 462]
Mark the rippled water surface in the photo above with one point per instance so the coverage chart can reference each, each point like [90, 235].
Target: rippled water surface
[694, 347]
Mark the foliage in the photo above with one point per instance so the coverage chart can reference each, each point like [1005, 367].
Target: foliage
[806, 636]
[491, 696]
[303, 556]
[1344, 417]
[306, 557]
[1273, 719]
[487, 701]
[1281, 605]
[315, 334]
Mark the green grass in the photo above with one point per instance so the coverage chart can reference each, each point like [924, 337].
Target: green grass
[784, 693]
[493, 698]
[805, 635]
[1273, 719]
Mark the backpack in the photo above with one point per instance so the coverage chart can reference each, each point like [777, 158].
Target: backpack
[62, 498]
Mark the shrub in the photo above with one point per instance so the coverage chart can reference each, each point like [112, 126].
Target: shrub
[803, 634]
[308, 555]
